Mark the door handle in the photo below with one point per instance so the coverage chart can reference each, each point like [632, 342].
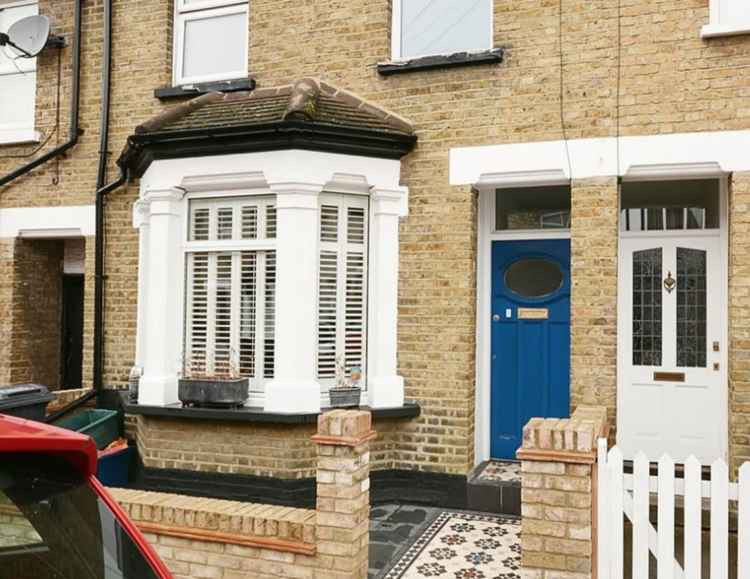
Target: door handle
[496, 317]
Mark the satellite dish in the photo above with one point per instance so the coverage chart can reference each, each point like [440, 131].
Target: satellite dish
[27, 36]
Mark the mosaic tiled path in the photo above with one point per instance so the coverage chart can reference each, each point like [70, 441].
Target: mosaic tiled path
[463, 546]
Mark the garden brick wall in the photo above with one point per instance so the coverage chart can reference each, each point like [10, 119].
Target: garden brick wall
[669, 81]
[228, 540]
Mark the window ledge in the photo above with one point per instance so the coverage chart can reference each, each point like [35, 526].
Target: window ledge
[719, 30]
[19, 136]
[192, 90]
[254, 414]
[493, 56]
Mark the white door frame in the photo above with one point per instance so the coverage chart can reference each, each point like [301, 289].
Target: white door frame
[486, 234]
[723, 234]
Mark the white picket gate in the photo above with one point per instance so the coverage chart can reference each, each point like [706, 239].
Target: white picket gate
[620, 493]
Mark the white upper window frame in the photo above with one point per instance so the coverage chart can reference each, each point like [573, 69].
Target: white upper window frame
[19, 132]
[396, 44]
[722, 23]
[186, 11]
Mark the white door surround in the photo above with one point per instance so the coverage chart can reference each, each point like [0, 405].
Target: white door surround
[668, 407]
[296, 178]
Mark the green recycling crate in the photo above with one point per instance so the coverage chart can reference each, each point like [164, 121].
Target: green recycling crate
[101, 425]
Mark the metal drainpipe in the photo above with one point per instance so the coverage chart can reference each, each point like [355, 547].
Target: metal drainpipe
[101, 192]
[75, 130]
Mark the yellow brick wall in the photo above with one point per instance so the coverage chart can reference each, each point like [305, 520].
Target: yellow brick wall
[669, 80]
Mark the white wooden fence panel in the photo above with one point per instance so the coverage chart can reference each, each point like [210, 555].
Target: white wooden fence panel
[743, 523]
[627, 494]
[640, 515]
[665, 514]
[692, 519]
[617, 543]
[603, 505]
[719, 519]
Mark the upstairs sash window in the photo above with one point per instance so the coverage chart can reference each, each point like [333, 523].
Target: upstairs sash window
[231, 289]
[342, 286]
[17, 79]
[211, 40]
[433, 27]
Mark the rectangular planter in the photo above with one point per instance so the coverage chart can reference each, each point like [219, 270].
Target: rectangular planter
[213, 393]
[345, 397]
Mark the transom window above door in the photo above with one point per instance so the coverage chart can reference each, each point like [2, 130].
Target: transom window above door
[210, 40]
[530, 208]
[670, 205]
[432, 27]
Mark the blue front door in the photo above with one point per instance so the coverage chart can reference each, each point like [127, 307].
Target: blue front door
[530, 337]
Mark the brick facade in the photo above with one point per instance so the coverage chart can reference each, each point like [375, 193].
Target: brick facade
[667, 78]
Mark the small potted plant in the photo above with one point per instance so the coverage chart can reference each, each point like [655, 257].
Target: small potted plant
[346, 393]
[223, 387]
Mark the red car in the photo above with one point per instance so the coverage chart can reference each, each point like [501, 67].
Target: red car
[56, 520]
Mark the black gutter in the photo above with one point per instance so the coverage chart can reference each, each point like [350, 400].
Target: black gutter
[143, 148]
[75, 130]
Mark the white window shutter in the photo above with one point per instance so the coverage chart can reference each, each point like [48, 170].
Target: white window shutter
[231, 293]
[342, 289]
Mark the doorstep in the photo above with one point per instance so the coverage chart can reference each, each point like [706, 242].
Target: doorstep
[495, 487]
[254, 414]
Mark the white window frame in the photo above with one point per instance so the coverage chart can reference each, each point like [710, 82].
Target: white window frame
[261, 245]
[396, 45]
[342, 247]
[19, 132]
[720, 24]
[187, 11]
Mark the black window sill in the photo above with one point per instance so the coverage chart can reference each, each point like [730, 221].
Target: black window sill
[254, 414]
[494, 56]
[174, 92]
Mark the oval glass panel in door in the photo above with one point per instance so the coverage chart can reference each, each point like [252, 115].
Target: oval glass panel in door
[534, 277]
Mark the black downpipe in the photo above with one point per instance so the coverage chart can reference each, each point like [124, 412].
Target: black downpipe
[101, 193]
[75, 130]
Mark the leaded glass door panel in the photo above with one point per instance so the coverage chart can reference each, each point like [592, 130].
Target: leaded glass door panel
[670, 332]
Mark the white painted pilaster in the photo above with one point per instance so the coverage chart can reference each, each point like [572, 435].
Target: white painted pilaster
[294, 387]
[141, 215]
[160, 312]
[385, 386]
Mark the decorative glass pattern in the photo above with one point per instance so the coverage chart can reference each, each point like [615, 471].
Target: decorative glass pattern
[691, 308]
[647, 304]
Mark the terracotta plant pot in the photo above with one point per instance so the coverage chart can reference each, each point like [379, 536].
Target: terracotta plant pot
[219, 393]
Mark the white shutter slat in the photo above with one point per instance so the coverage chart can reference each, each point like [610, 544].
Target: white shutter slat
[223, 315]
[269, 310]
[248, 305]
[224, 222]
[197, 346]
[327, 313]
[354, 341]
[249, 217]
[271, 221]
[329, 223]
[199, 224]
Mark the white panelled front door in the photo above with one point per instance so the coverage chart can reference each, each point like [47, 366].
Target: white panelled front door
[671, 378]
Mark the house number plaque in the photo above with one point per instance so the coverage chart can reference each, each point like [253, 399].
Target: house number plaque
[533, 313]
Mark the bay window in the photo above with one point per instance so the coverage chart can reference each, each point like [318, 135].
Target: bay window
[17, 80]
[211, 40]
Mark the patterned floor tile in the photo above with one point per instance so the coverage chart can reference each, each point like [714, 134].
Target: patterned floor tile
[464, 546]
[497, 471]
